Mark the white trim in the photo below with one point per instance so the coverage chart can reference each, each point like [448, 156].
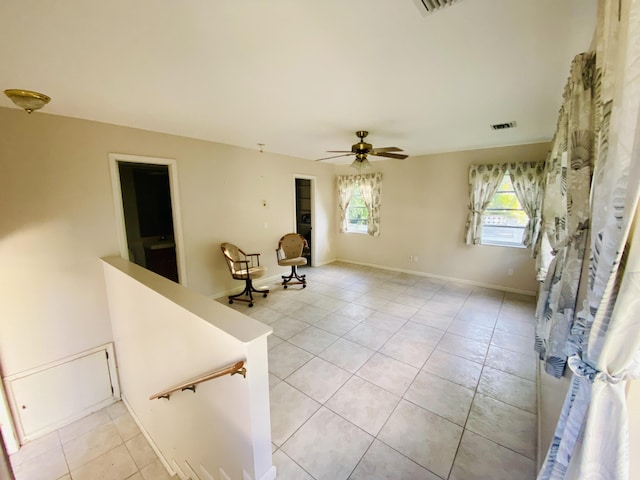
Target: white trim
[312, 193]
[153, 445]
[442, 277]
[114, 158]
[270, 474]
[178, 470]
[190, 473]
[539, 453]
[326, 262]
[113, 377]
[7, 428]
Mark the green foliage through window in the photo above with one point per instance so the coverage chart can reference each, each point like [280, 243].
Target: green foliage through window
[357, 213]
[504, 220]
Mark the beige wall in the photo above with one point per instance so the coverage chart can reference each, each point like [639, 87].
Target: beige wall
[424, 212]
[165, 335]
[58, 218]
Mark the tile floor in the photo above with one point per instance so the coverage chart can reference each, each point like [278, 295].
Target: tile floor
[384, 375]
[105, 445]
[374, 375]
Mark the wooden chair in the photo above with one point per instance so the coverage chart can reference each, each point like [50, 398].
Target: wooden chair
[245, 267]
[289, 253]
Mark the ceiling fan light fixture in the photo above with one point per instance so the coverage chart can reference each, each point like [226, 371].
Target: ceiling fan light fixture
[27, 100]
[361, 165]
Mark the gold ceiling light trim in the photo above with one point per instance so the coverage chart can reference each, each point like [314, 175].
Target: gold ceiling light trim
[27, 100]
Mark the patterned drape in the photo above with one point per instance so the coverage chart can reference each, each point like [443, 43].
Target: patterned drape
[591, 438]
[371, 188]
[484, 181]
[345, 189]
[528, 181]
[565, 213]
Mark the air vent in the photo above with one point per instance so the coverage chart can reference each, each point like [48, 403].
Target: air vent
[433, 5]
[503, 126]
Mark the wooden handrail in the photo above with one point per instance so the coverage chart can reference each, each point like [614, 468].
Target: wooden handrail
[191, 384]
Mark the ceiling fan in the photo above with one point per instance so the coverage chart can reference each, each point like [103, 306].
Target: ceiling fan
[362, 149]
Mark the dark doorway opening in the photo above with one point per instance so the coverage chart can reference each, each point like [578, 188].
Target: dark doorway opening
[303, 213]
[148, 217]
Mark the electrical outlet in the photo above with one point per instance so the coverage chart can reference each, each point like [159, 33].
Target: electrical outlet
[509, 272]
[410, 258]
[415, 259]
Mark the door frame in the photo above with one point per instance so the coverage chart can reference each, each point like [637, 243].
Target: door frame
[313, 211]
[114, 158]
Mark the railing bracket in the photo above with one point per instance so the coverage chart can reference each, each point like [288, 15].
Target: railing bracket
[242, 371]
[168, 396]
[190, 387]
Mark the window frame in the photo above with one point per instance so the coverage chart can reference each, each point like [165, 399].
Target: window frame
[488, 210]
[353, 227]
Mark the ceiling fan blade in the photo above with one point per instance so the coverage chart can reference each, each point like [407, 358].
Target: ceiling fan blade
[386, 149]
[339, 151]
[399, 156]
[335, 156]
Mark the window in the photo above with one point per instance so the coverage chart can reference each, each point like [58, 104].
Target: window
[504, 221]
[357, 213]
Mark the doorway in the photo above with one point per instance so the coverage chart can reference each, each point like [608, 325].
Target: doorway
[304, 213]
[145, 196]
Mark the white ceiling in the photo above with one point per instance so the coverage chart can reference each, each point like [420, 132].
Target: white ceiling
[300, 76]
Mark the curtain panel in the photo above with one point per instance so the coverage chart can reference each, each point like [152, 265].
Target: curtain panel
[591, 437]
[370, 185]
[345, 189]
[370, 188]
[484, 181]
[528, 182]
[565, 213]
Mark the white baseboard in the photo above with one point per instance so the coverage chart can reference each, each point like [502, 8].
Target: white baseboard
[326, 262]
[539, 417]
[270, 474]
[155, 448]
[443, 277]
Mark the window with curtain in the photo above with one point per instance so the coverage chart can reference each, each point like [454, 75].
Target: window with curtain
[504, 220]
[505, 203]
[359, 200]
[357, 213]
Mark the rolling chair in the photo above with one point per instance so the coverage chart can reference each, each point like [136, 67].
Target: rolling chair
[245, 267]
[289, 253]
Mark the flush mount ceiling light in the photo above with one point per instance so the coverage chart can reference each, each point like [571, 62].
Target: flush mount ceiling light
[27, 100]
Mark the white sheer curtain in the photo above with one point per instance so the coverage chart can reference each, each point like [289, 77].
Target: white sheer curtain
[484, 181]
[591, 438]
[528, 183]
[346, 183]
[370, 189]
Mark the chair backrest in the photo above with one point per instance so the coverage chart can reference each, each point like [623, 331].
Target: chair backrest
[291, 245]
[232, 254]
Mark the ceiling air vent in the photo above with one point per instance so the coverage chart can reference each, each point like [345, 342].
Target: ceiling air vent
[503, 126]
[433, 5]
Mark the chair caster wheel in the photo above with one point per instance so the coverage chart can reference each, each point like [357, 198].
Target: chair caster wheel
[304, 285]
[250, 305]
[264, 296]
[285, 286]
[230, 302]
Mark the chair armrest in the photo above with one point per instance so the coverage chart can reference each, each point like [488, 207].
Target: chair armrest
[257, 255]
